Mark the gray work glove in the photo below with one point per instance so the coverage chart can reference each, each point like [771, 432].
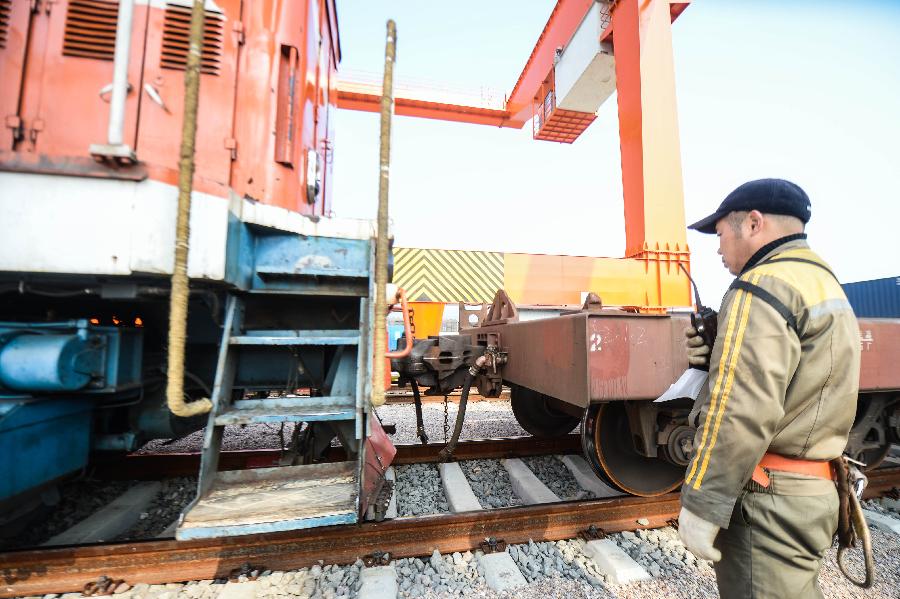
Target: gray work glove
[698, 535]
[697, 350]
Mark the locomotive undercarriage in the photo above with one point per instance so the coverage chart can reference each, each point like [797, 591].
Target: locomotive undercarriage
[96, 415]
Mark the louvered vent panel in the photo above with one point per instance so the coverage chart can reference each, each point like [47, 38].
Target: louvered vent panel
[4, 21]
[91, 29]
[176, 33]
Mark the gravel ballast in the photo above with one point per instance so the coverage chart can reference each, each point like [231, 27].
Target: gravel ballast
[419, 491]
[562, 559]
[78, 499]
[453, 575]
[82, 498]
[551, 471]
[484, 420]
[250, 436]
[659, 551]
[173, 497]
[490, 483]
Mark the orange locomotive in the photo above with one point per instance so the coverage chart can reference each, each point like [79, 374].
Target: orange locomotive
[92, 102]
[265, 129]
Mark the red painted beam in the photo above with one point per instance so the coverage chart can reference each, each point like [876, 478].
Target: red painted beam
[370, 101]
[563, 21]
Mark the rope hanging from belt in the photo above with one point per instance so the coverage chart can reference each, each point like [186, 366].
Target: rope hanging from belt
[852, 525]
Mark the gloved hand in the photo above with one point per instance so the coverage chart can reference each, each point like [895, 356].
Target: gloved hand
[698, 535]
[697, 350]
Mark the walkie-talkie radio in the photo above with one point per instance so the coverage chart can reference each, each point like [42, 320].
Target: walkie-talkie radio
[705, 320]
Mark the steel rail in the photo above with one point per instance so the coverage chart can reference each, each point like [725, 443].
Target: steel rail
[406, 397]
[882, 480]
[36, 572]
[154, 466]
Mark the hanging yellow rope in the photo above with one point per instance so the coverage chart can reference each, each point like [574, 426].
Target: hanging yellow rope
[178, 304]
[381, 241]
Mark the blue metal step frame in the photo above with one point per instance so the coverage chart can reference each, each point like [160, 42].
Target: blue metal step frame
[275, 262]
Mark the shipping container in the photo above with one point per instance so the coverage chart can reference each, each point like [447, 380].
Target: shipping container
[878, 298]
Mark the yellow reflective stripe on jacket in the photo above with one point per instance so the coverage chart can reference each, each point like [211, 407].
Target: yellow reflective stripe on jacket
[728, 354]
[732, 318]
[726, 391]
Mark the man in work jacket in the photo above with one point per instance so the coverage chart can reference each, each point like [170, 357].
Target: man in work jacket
[759, 497]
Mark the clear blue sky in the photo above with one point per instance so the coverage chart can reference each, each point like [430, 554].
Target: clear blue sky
[806, 90]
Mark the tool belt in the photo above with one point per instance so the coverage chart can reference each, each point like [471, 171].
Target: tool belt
[852, 527]
[780, 463]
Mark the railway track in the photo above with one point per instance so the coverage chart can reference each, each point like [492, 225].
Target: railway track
[401, 396]
[35, 572]
[153, 466]
[71, 568]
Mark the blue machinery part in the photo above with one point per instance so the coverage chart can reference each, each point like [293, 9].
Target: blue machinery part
[41, 440]
[68, 356]
[51, 362]
[50, 375]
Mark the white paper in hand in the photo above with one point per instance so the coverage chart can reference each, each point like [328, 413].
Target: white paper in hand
[689, 385]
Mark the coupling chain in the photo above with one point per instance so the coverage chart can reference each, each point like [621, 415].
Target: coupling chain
[446, 419]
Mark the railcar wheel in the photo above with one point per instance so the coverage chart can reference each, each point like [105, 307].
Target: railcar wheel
[609, 449]
[536, 414]
[870, 437]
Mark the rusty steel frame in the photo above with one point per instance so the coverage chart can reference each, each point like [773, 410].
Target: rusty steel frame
[592, 356]
[36, 572]
[610, 355]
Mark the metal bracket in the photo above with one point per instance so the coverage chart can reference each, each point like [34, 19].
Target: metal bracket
[502, 310]
[592, 533]
[592, 303]
[231, 144]
[15, 123]
[383, 500]
[377, 558]
[120, 154]
[489, 380]
[475, 312]
[36, 127]
[102, 586]
[642, 420]
[492, 545]
[247, 571]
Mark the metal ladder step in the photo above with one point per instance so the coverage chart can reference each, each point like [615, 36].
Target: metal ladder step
[288, 409]
[263, 500]
[318, 337]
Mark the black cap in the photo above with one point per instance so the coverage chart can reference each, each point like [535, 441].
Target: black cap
[769, 196]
